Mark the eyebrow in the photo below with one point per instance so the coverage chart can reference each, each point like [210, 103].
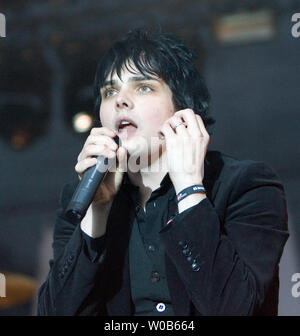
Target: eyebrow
[130, 80]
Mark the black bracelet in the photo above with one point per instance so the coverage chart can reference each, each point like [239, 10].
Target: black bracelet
[195, 189]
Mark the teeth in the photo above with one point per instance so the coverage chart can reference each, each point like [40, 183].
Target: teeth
[124, 123]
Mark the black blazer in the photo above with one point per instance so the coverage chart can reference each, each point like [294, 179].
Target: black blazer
[237, 235]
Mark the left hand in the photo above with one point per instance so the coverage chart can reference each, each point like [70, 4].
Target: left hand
[186, 147]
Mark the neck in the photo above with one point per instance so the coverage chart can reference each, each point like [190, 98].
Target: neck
[149, 179]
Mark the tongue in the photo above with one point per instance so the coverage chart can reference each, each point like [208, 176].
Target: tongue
[128, 128]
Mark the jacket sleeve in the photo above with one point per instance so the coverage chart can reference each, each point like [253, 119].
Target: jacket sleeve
[75, 268]
[227, 259]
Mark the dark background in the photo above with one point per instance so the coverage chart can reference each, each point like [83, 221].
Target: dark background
[47, 65]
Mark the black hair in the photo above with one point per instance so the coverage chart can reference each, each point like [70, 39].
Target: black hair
[162, 55]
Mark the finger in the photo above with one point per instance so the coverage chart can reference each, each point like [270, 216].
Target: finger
[83, 165]
[96, 150]
[122, 159]
[167, 130]
[103, 131]
[100, 135]
[189, 117]
[121, 166]
[181, 129]
[86, 163]
[202, 126]
[101, 139]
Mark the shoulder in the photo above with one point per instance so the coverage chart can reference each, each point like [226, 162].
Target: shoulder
[225, 166]
[240, 175]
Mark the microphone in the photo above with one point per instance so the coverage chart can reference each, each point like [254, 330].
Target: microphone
[89, 184]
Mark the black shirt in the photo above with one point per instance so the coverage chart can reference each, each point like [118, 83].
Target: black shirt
[149, 288]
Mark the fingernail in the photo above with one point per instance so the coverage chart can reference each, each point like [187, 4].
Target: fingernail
[161, 136]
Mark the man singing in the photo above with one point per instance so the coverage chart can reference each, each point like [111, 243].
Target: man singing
[175, 229]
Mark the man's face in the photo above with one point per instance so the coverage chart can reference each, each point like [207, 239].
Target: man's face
[145, 101]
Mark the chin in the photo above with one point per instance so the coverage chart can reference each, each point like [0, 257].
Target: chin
[134, 146]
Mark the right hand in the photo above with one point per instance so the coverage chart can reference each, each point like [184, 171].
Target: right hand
[100, 142]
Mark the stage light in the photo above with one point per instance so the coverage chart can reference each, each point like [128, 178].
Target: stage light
[82, 122]
[22, 118]
[245, 27]
[19, 139]
[24, 96]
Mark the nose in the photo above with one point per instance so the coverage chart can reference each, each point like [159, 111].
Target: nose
[123, 101]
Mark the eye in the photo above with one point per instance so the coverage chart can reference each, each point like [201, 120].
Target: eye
[109, 92]
[145, 88]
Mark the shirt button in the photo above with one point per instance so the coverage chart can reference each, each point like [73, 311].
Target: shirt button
[151, 248]
[187, 252]
[154, 204]
[160, 307]
[155, 277]
[195, 267]
[190, 259]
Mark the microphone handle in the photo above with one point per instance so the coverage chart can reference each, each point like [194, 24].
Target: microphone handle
[87, 188]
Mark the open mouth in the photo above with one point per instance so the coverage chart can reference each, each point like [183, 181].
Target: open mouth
[126, 128]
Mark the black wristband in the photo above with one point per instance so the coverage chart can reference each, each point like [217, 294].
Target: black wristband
[195, 189]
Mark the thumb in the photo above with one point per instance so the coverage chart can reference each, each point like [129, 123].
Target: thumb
[122, 159]
[121, 166]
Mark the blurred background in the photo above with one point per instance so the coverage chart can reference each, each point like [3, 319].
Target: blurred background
[250, 60]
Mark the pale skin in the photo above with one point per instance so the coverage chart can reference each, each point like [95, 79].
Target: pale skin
[148, 102]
